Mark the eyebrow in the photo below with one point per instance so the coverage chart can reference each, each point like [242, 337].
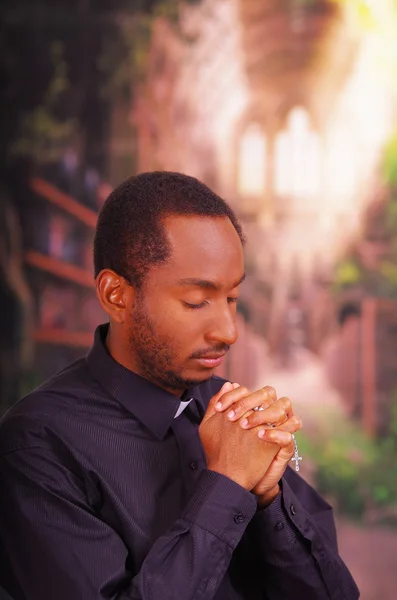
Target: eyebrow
[204, 283]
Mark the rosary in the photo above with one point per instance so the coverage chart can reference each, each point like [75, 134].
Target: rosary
[296, 458]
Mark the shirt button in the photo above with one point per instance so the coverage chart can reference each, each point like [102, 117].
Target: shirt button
[193, 465]
[238, 519]
[279, 526]
[292, 509]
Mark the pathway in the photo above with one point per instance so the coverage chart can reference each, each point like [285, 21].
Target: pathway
[369, 552]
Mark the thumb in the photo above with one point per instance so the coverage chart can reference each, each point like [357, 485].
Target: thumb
[227, 387]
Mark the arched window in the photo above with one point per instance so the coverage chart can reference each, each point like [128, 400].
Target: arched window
[297, 157]
[252, 162]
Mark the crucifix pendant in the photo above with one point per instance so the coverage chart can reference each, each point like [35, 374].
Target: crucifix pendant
[296, 458]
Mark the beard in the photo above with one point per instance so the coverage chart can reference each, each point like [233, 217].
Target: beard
[157, 354]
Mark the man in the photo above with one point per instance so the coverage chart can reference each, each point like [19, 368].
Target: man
[137, 474]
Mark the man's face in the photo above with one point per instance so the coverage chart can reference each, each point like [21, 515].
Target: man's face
[184, 318]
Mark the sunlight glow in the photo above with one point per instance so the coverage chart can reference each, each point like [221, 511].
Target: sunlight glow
[297, 159]
[252, 162]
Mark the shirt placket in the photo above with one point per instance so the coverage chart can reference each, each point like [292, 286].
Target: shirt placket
[191, 453]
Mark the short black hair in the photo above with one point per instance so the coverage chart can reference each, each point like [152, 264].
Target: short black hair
[130, 235]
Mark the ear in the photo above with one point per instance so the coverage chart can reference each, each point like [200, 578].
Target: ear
[115, 295]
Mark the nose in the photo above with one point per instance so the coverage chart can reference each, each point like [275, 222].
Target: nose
[223, 329]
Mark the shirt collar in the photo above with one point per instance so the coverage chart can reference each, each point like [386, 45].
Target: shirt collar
[154, 407]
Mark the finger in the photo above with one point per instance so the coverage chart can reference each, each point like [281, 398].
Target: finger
[276, 414]
[263, 397]
[277, 468]
[227, 399]
[227, 387]
[283, 439]
[293, 425]
[271, 394]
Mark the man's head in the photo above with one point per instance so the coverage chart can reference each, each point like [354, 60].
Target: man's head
[168, 257]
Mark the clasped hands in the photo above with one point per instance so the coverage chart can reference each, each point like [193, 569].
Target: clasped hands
[251, 447]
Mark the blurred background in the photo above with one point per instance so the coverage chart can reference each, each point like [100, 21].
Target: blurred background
[286, 108]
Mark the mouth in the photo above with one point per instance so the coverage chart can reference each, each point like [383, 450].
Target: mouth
[211, 361]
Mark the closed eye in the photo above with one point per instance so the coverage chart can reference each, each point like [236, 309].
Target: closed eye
[230, 300]
[195, 306]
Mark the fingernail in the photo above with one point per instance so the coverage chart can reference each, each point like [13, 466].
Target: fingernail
[244, 423]
[231, 414]
[261, 433]
[218, 406]
[227, 385]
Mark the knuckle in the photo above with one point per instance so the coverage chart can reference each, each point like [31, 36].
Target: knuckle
[286, 441]
[270, 391]
[287, 406]
[255, 418]
[264, 401]
[242, 404]
[242, 401]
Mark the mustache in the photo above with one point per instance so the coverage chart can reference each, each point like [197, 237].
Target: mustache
[216, 350]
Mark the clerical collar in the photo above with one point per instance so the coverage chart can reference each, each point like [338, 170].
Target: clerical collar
[182, 407]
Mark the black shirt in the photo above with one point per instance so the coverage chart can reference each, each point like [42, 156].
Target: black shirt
[104, 494]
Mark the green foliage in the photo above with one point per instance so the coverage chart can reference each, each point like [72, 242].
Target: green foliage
[59, 82]
[377, 283]
[391, 214]
[306, 3]
[379, 227]
[41, 134]
[389, 271]
[358, 474]
[124, 59]
[347, 273]
[383, 475]
[390, 162]
[340, 460]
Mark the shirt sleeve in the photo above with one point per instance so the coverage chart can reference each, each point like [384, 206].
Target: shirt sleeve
[295, 541]
[57, 547]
